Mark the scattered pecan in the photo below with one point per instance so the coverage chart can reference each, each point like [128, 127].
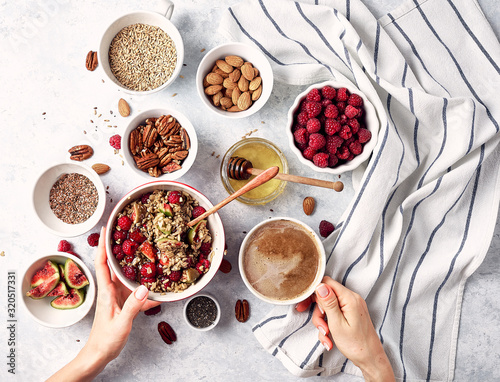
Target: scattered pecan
[242, 310]
[153, 311]
[147, 160]
[225, 266]
[149, 135]
[171, 167]
[186, 143]
[91, 61]
[180, 155]
[154, 171]
[81, 152]
[135, 142]
[164, 156]
[166, 332]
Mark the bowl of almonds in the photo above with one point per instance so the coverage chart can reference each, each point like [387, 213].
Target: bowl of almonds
[160, 143]
[234, 80]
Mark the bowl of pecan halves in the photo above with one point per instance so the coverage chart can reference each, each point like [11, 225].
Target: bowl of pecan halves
[160, 143]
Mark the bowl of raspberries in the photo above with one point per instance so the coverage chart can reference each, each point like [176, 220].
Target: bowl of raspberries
[149, 242]
[332, 127]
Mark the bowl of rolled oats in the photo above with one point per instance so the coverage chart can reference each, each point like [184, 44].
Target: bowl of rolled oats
[149, 241]
[160, 143]
[69, 199]
[142, 52]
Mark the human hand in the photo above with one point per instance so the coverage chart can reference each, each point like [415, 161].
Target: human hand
[343, 315]
[115, 311]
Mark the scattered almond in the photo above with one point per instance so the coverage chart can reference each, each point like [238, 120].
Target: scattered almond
[123, 108]
[235, 61]
[308, 204]
[244, 101]
[101, 168]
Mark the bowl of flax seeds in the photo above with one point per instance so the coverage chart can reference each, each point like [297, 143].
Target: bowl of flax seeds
[69, 199]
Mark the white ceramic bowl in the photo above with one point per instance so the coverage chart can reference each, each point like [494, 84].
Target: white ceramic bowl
[41, 193]
[214, 224]
[143, 17]
[140, 119]
[371, 120]
[250, 54]
[217, 319]
[319, 275]
[41, 310]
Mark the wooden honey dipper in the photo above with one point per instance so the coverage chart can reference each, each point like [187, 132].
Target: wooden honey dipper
[241, 169]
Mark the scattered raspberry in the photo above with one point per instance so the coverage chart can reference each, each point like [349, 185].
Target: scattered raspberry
[301, 146]
[129, 259]
[313, 109]
[129, 272]
[198, 211]
[118, 252]
[355, 100]
[302, 118]
[303, 106]
[64, 246]
[360, 113]
[203, 266]
[125, 223]
[325, 228]
[153, 311]
[356, 148]
[175, 276]
[174, 197]
[148, 270]
[129, 247]
[328, 92]
[350, 157]
[166, 282]
[147, 280]
[206, 247]
[309, 153]
[354, 125]
[313, 126]
[332, 126]
[119, 236]
[93, 239]
[317, 141]
[137, 236]
[364, 135]
[345, 132]
[342, 95]
[343, 152]
[159, 269]
[343, 119]
[350, 111]
[314, 95]
[321, 159]
[145, 198]
[333, 161]
[331, 111]
[116, 142]
[333, 143]
[301, 136]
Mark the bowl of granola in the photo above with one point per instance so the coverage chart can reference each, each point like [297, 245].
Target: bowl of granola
[160, 143]
[149, 242]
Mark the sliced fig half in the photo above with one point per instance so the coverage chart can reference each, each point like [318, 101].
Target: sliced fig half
[72, 300]
[43, 289]
[74, 276]
[61, 271]
[48, 270]
[60, 290]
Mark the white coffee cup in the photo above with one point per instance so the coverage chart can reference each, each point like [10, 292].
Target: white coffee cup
[273, 265]
[143, 17]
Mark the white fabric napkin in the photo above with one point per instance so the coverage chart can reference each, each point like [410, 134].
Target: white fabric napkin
[424, 211]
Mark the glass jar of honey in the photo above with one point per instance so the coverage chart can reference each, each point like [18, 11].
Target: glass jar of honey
[262, 154]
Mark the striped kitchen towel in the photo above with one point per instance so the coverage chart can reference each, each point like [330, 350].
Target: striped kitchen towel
[424, 210]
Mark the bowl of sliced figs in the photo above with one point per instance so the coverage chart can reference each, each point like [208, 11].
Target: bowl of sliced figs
[58, 290]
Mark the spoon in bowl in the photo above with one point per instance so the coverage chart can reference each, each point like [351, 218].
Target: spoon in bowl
[263, 177]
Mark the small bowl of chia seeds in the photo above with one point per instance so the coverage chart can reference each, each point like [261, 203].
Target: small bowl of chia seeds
[69, 199]
[202, 312]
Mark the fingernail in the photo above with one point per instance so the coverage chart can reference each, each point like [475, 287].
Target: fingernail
[326, 346]
[141, 292]
[322, 330]
[322, 290]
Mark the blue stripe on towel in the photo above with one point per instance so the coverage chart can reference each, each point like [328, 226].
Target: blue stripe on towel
[457, 65]
[260, 325]
[452, 265]
[415, 126]
[308, 357]
[403, 245]
[254, 40]
[309, 317]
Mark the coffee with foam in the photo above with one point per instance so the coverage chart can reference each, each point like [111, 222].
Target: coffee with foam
[281, 259]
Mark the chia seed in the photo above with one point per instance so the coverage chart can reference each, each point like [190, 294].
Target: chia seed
[73, 198]
[201, 312]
